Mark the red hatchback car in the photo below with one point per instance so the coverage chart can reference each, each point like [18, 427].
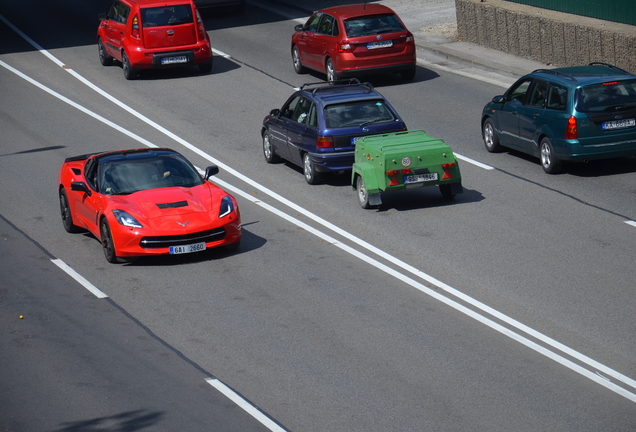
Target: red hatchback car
[152, 34]
[354, 40]
[146, 202]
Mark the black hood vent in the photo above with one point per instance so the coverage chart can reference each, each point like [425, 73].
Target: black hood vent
[173, 205]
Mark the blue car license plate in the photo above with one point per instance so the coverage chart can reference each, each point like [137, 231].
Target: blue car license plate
[195, 247]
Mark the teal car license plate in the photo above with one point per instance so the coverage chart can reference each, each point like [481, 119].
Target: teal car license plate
[618, 124]
[420, 178]
[195, 247]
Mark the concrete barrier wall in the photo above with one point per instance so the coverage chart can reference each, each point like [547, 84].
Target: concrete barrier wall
[551, 37]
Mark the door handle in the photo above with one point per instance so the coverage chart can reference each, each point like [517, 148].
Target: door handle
[536, 115]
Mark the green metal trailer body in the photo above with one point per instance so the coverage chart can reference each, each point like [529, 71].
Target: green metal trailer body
[402, 160]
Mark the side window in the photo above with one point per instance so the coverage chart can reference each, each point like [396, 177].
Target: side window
[326, 25]
[517, 94]
[313, 121]
[539, 94]
[301, 112]
[90, 173]
[312, 23]
[119, 12]
[288, 110]
[557, 97]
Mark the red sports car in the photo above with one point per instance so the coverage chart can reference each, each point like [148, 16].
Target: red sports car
[146, 202]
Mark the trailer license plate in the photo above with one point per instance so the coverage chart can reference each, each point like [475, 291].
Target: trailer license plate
[171, 60]
[419, 178]
[618, 124]
[196, 247]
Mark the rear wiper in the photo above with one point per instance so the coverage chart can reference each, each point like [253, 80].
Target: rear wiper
[375, 121]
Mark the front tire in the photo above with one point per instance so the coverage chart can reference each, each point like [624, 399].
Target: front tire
[331, 71]
[298, 66]
[268, 150]
[107, 242]
[104, 58]
[130, 73]
[67, 216]
[491, 140]
[309, 170]
[549, 160]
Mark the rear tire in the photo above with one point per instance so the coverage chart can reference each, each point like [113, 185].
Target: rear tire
[548, 158]
[309, 170]
[107, 242]
[130, 73]
[104, 58]
[361, 191]
[331, 71]
[445, 189]
[409, 74]
[205, 68]
[67, 216]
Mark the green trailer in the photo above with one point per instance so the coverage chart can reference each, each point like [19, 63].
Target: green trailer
[403, 160]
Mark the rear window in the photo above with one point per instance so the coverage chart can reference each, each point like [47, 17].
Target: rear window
[607, 97]
[167, 15]
[372, 25]
[357, 113]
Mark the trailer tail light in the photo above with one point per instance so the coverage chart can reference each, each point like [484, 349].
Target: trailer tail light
[447, 167]
[324, 142]
[571, 132]
[135, 27]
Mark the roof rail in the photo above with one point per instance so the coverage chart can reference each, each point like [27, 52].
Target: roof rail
[339, 83]
[556, 73]
[609, 66]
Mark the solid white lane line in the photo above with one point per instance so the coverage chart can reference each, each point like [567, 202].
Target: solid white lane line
[79, 278]
[474, 162]
[631, 222]
[510, 321]
[246, 406]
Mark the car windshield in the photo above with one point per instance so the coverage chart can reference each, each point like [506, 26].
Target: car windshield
[358, 113]
[168, 15]
[372, 25]
[608, 97]
[123, 177]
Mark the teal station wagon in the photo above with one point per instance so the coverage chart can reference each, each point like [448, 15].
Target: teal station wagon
[571, 114]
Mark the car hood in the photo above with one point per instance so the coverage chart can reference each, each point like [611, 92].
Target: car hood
[172, 201]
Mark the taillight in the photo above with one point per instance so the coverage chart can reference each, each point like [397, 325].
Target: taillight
[324, 142]
[200, 25]
[344, 46]
[446, 167]
[410, 40]
[571, 131]
[135, 27]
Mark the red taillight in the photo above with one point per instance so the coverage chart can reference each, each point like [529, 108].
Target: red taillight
[571, 131]
[135, 27]
[611, 83]
[200, 26]
[446, 167]
[324, 142]
[410, 40]
[344, 46]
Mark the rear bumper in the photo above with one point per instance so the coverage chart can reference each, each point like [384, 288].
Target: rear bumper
[332, 162]
[141, 58]
[376, 70]
[573, 151]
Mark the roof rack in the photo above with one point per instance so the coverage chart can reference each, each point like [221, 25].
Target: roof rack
[556, 73]
[609, 66]
[338, 83]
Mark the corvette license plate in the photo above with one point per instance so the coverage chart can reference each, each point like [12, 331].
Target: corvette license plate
[420, 178]
[618, 124]
[171, 60]
[380, 44]
[196, 247]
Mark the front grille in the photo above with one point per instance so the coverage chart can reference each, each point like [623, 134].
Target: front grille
[179, 240]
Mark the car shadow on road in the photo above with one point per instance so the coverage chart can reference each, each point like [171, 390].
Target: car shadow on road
[595, 168]
[384, 80]
[219, 65]
[424, 198]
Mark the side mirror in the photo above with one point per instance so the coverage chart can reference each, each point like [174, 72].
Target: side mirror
[274, 113]
[299, 27]
[80, 187]
[498, 99]
[210, 171]
[102, 16]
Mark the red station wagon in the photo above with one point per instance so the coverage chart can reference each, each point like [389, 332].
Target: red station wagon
[152, 34]
[354, 40]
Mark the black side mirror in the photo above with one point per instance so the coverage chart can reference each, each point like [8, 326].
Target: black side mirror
[80, 187]
[210, 171]
[102, 16]
[274, 113]
[498, 99]
[299, 27]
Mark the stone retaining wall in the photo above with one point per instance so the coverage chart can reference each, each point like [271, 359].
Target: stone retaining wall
[551, 37]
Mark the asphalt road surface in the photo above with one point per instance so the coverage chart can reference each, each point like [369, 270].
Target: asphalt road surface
[510, 308]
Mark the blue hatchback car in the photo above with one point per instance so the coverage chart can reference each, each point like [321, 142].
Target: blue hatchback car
[317, 127]
[566, 114]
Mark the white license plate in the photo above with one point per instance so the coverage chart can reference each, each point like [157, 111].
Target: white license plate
[379, 44]
[171, 60]
[419, 178]
[354, 140]
[196, 247]
[618, 124]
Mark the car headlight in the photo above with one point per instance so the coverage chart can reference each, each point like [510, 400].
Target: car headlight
[125, 219]
[227, 206]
